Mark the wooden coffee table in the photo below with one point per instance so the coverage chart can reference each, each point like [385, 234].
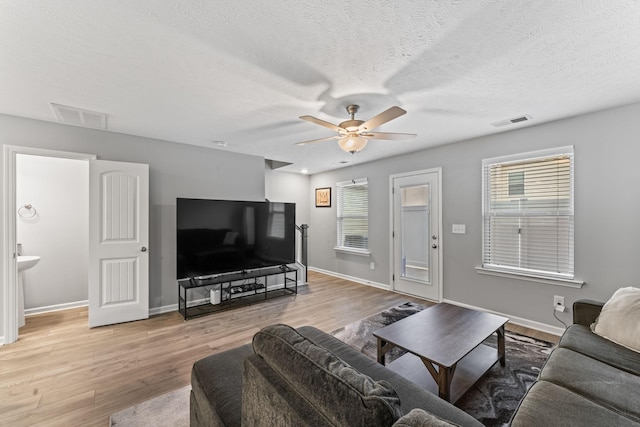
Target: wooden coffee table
[447, 340]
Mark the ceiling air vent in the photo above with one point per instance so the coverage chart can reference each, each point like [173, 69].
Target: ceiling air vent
[524, 118]
[79, 117]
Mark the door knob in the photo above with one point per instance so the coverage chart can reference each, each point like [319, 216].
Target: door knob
[434, 246]
[143, 249]
[434, 237]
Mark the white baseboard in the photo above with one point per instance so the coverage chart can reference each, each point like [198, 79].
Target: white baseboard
[554, 330]
[532, 324]
[163, 309]
[2, 340]
[56, 307]
[351, 278]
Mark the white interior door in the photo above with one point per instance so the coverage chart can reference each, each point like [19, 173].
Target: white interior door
[416, 234]
[118, 242]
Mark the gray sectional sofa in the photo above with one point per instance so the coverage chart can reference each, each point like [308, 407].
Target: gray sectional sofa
[305, 377]
[587, 380]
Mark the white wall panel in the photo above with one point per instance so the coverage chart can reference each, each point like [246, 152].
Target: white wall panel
[118, 281]
[119, 221]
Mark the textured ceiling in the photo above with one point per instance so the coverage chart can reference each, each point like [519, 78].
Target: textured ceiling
[242, 71]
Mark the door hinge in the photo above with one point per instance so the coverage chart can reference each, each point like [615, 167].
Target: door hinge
[393, 277]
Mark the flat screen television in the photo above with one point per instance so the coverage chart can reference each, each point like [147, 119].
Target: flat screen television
[221, 236]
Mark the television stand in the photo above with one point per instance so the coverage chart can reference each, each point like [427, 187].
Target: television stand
[236, 289]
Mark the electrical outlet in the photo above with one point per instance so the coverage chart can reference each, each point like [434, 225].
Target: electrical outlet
[372, 266]
[458, 228]
[558, 301]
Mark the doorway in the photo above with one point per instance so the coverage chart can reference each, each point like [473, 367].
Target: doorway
[416, 232]
[52, 195]
[118, 280]
[10, 279]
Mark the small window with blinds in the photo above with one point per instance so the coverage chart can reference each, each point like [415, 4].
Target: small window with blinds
[528, 214]
[353, 215]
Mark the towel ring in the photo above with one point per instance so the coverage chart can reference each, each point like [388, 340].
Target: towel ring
[27, 211]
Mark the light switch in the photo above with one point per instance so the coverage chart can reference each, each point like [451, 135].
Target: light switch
[459, 229]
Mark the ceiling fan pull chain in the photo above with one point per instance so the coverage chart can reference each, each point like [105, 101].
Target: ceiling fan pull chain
[353, 167]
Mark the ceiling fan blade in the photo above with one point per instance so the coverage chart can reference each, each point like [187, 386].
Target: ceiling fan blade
[323, 123]
[387, 135]
[313, 141]
[381, 118]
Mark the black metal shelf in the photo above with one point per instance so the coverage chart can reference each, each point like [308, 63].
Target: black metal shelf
[234, 294]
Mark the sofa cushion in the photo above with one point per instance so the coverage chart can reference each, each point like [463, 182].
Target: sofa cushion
[548, 404]
[619, 319]
[216, 383]
[594, 380]
[268, 400]
[580, 338]
[586, 311]
[337, 390]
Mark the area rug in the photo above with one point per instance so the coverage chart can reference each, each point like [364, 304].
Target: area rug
[494, 398]
[169, 409]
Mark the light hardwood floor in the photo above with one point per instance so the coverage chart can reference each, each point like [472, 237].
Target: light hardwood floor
[60, 372]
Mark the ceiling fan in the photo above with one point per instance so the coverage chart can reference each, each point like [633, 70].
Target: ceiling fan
[353, 134]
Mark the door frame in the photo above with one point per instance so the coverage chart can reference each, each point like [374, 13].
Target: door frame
[438, 172]
[10, 270]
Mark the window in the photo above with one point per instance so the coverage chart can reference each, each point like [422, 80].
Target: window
[353, 215]
[528, 213]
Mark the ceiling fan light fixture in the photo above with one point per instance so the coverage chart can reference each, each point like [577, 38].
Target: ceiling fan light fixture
[353, 134]
[353, 143]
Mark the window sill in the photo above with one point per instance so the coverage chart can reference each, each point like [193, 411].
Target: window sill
[539, 279]
[359, 252]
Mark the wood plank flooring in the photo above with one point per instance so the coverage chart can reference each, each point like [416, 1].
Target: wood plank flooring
[60, 372]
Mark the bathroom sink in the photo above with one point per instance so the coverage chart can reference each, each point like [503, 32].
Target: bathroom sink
[25, 262]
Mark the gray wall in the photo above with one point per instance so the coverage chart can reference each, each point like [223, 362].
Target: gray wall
[58, 189]
[176, 170]
[289, 188]
[607, 202]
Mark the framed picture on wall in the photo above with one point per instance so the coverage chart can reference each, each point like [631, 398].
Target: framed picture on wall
[323, 197]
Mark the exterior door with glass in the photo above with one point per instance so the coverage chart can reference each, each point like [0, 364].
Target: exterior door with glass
[416, 231]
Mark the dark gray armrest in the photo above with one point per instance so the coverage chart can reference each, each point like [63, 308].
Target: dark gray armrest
[586, 311]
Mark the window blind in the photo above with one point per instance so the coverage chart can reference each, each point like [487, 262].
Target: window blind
[353, 215]
[528, 213]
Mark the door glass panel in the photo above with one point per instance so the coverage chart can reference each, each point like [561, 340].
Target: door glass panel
[415, 233]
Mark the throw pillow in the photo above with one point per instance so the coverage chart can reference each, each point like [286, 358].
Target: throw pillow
[342, 394]
[619, 320]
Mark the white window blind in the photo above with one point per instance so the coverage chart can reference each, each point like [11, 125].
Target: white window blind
[528, 213]
[353, 215]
